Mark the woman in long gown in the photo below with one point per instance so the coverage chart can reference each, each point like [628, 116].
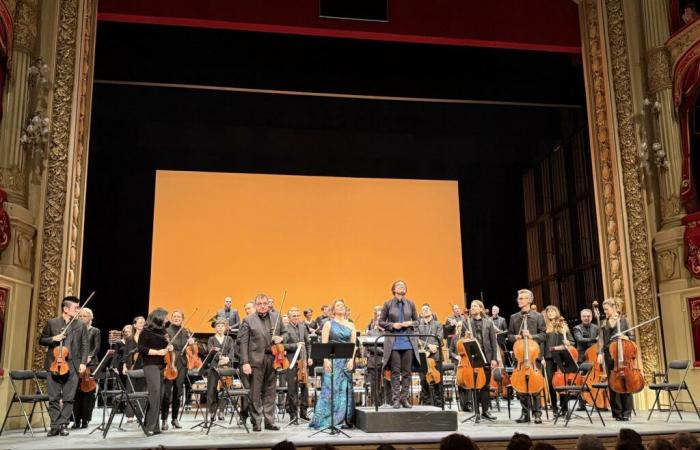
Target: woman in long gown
[338, 329]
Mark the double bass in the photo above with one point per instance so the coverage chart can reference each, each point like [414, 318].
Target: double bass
[598, 373]
[526, 378]
[625, 377]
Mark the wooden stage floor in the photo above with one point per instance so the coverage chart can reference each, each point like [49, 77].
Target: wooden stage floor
[489, 435]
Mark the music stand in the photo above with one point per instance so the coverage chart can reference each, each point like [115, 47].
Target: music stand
[207, 423]
[562, 358]
[332, 351]
[107, 358]
[477, 360]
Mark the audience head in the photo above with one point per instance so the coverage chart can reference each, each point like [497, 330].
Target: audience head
[628, 439]
[386, 447]
[589, 442]
[685, 441]
[519, 441]
[284, 445]
[660, 444]
[456, 441]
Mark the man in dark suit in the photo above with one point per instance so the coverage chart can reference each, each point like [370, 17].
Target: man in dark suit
[534, 328]
[257, 333]
[585, 334]
[230, 315]
[295, 335]
[483, 330]
[62, 387]
[399, 316]
[501, 326]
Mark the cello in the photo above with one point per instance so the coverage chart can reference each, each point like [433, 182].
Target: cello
[598, 373]
[625, 377]
[526, 378]
[469, 376]
[559, 379]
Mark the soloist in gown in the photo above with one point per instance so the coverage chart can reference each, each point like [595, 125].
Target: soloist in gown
[343, 406]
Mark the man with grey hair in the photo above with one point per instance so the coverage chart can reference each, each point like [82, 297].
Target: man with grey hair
[531, 324]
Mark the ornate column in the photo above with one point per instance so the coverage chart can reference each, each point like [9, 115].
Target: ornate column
[620, 193]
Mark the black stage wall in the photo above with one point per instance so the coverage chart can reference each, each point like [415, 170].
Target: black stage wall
[137, 130]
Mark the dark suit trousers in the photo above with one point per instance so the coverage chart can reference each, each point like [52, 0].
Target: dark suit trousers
[245, 401]
[172, 393]
[154, 385]
[263, 386]
[83, 405]
[294, 402]
[380, 388]
[62, 388]
[401, 361]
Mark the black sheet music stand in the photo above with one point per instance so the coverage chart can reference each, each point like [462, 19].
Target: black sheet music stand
[100, 370]
[476, 358]
[208, 422]
[332, 351]
[562, 358]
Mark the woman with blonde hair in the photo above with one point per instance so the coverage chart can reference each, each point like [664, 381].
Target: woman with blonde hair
[557, 335]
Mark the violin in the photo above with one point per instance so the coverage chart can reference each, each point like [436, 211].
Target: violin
[191, 351]
[170, 371]
[280, 361]
[526, 378]
[598, 373]
[560, 379]
[59, 366]
[468, 376]
[625, 378]
[432, 375]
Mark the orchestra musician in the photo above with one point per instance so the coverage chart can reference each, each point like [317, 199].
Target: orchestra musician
[153, 345]
[230, 315]
[323, 318]
[308, 321]
[451, 322]
[172, 389]
[399, 316]
[62, 388]
[257, 334]
[85, 401]
[621, 404]
[555, 330]
[585, 334]
[374, 321]
[295, 336]
[535, 329]
[485, 333]
[430, 395]
[222, 346]
[501, 326]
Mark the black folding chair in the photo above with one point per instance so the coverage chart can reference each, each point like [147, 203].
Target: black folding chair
[126, 398]
[37, 398]
[231, 396]
[575, 391]
[665, 385]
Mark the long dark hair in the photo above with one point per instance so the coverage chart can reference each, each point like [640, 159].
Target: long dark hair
[156, 319]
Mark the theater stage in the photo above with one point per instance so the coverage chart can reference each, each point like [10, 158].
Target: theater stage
[488, 434]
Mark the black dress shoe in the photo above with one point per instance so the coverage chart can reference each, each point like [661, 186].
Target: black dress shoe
[85, 424]
[175, 424]
[538, 418]
[76, 425]
[487, 416]
[524, 418]
[272, 427]
[304, 416]
[53, 432]
[164, 425]
[257, 428]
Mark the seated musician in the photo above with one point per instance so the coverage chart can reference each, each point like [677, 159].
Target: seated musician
[430, 394]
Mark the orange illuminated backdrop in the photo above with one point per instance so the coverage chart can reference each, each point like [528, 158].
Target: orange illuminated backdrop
[320, 238]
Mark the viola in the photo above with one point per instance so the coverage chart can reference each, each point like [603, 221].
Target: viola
[280, 362]
[87, 381]
[59, 366]
[526, 378]
[302, 367]
[625, 378]
[468, 377]
[432, 375]
[170, 371]
[560, 379]
[194, 362]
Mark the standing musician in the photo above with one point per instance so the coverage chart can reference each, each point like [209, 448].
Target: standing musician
[535, 329]
[233, 320]
[452, 321]
[555, 331]
[222, 345]
[501, 326]
[172, 389]
[257, 334]
[620, 404]
[85, 401]
[153, 345]
[308, 321]
[585, 334]
[399, 316]
[485, 334]
[62, 387]
[429, 325]
[323, 318]
[374, 322]
[295, 336]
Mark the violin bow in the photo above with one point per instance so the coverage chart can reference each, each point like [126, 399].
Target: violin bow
[634, 327]
[182, 352]
[182, 327]
[279, 314]
[79, 311]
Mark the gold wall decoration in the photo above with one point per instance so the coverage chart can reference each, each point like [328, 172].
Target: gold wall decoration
[601, 150]
[12, 178]
[25, 20]
[658, 69]
[639, 250]
[50, 270]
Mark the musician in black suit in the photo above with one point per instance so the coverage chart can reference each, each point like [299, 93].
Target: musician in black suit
[256, 335]
[585, 334]
[399, 316]
[223, 346]
[230, 315]
[295, 335]
[535, 329]
[501, 326]
[61, 388]
[172, 389]
[85, 401]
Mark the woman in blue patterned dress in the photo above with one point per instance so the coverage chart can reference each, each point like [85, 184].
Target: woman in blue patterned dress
[339, 329]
